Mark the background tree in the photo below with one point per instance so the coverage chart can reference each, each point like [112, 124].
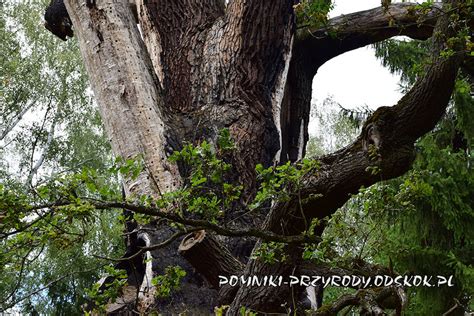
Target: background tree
[227, 88]
[49, 127]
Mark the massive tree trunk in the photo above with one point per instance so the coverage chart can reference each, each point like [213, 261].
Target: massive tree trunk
[195, 67]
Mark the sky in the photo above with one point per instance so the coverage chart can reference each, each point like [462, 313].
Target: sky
[356, 79]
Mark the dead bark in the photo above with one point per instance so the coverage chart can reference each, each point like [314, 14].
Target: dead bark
[119, 67]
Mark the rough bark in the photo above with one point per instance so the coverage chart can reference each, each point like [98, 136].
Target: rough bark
[198, 78]
[221, 69]
[135, 117]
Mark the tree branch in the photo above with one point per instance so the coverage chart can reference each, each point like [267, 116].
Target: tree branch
[16, 119]
[370, 300]
[202, 224]
[391, 131]
[342, 34]
[40, 160]
[160, 245]
[359, 29]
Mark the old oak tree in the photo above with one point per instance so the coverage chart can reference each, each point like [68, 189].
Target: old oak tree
[214, 98]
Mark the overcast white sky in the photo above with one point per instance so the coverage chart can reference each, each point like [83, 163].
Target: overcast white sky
[356, 78]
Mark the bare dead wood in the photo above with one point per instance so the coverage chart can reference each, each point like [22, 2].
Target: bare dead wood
[119, 67]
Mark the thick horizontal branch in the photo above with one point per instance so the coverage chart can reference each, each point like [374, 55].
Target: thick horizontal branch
[313, 47]
[352, 31]
[389, 133]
